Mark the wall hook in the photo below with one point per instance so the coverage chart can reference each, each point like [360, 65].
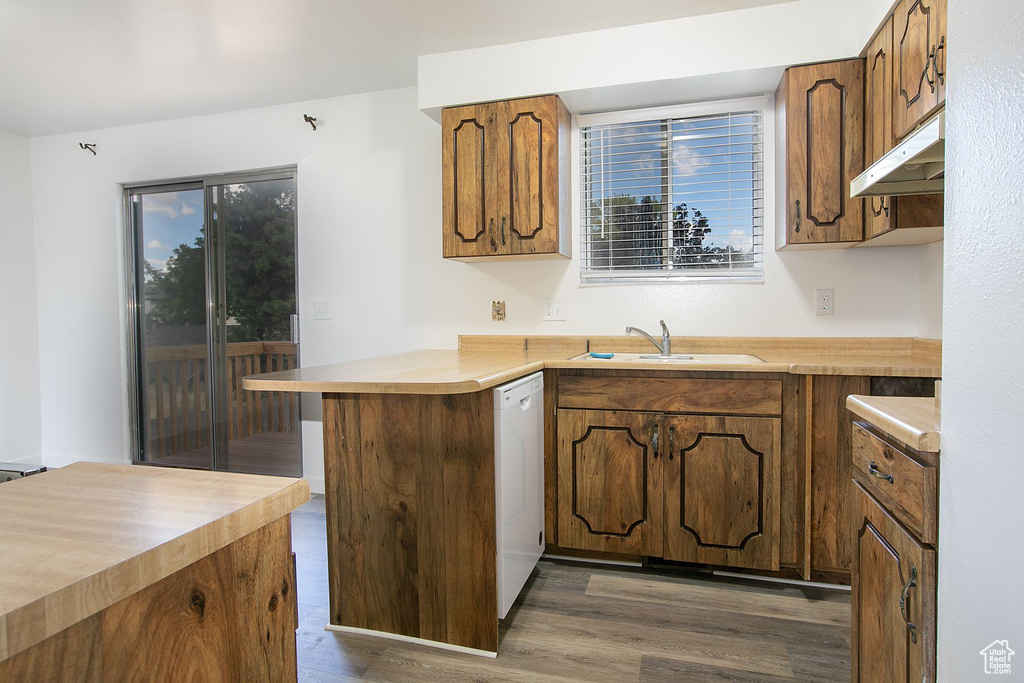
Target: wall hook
[91, 146]
[311, 120]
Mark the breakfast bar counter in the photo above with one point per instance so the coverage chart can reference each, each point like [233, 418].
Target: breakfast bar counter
[110, 572]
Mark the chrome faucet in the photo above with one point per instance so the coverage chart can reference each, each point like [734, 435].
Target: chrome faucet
[665, 347]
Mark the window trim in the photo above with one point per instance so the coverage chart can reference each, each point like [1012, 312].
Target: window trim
[764, 103]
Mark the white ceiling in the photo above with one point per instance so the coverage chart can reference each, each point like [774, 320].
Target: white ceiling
[72, 65]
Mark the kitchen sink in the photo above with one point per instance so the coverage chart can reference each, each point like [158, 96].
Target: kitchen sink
[678, 358]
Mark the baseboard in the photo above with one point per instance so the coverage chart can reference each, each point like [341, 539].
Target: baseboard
[411, 639]
[316, 485]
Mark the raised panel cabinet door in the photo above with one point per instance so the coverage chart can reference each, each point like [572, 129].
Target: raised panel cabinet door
[824, 120]
[530, 222]
[878, 123]
[721, 487]
[893, 599]
[609, 481]
[468, 169]
[919, 67]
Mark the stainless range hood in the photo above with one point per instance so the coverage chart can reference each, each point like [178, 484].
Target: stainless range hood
[915, 166]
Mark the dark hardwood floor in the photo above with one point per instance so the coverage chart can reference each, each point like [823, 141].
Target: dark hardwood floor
[577, 622]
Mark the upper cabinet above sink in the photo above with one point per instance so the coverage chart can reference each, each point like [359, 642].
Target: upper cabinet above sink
[505, 176]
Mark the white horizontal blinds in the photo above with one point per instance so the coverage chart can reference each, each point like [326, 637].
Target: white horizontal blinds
[673, 198]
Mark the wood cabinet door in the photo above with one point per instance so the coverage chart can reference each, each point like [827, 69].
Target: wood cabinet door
[609, 481]
[824, 119]
[469, 146]
[893, 601]
[878, 124]
[722, 490]
[529, 224]
[919, 69]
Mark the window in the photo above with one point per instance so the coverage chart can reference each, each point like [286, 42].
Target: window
[673, 194]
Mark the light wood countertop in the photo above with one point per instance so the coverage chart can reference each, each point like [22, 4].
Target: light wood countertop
[75, 540]
[914, 421]
[482, 366]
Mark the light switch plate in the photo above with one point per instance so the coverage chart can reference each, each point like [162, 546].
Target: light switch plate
[321, 310]
[824, 301]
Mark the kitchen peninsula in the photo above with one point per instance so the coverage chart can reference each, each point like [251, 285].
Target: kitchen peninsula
[117, 572]
[409, 462]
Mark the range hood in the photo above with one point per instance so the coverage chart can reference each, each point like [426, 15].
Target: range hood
[915, 166]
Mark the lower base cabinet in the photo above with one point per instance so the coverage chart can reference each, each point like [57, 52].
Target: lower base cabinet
[690, 488]
[893, 601]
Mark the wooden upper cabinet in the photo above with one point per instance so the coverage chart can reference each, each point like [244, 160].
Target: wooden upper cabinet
[721, 486]
[505, 171]
[919, 67]
[884, 215]
[821, 116]
[609, 481]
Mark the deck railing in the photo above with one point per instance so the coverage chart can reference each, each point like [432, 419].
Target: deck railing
[178, 403]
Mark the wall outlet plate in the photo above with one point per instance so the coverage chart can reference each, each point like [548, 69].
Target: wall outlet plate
[497, 310]
[554, 309]
[824, 301]
[321, 310]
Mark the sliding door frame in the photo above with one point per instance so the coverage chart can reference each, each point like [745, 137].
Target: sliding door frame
[216, 296]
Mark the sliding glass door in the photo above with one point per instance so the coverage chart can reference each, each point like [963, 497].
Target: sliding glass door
[212, 296]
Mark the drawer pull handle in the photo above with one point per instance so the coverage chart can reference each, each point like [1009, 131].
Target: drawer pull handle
[671, 438]
[912, 583]
[875, 472]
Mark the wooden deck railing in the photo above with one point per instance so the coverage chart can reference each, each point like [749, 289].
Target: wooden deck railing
[178, 401]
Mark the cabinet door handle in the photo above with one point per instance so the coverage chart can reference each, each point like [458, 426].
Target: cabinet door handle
[503, 218]
[911, 583]
[654, 442]
[878, 474]
[940, 75]
[671, 438]
[798, 215]
[927, 67]
[490, 233]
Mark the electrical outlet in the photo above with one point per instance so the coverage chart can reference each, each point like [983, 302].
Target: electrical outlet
[497, 310]
[554, 309]
[321, 310]
[824, 301]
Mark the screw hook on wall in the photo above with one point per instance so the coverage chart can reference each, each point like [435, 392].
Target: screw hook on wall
[91, 146]
[311, 120]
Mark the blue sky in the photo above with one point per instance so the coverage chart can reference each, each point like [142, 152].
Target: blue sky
[170, 219]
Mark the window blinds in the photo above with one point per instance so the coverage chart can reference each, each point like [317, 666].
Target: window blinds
[674, 198]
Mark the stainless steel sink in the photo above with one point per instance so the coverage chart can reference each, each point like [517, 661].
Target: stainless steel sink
[678, 358]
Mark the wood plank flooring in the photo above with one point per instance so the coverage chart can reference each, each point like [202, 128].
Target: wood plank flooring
[577, 622]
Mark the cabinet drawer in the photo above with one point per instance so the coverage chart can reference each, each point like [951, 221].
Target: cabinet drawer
[712, 396]
[899, 480]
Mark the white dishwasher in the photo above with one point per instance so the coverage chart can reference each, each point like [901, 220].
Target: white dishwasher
[519, 483]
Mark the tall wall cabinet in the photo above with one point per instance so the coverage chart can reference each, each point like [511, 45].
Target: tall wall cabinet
[505, 176]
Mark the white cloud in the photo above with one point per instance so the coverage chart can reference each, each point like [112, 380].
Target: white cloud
[170, 204]
[157, 245]
[157, 263]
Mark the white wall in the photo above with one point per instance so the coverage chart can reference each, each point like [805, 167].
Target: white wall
[929, 312]
[19, 336]
[981, 543]
[370, 242]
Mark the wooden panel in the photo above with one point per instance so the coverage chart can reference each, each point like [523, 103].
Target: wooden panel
[831, 430]
[791, 484]
[919, 83]
[905, 485]
[824, 114]
[878, 123]
[887, 557]
[411, 520]
[551, 457]
[534, 179]
[609, 481]
[465, 157]
[730, 396]
[722, 490]
[229, 616]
